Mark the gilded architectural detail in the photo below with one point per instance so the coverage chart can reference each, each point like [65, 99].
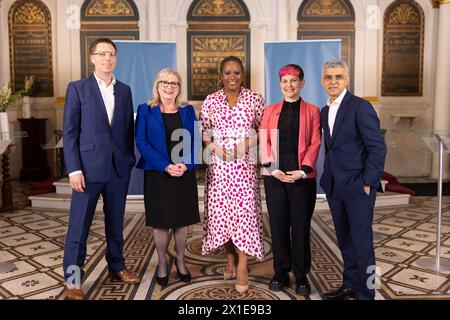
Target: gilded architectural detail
[404, 14]
[332, 8]
[29, 13]
[112, 8]
[207, 52]
[218, 8]
[403, 47]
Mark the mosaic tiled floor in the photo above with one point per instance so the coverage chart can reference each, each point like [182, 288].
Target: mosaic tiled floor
[33, 241]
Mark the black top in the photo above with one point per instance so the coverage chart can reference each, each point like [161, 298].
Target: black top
[289, 128]
[172, 121]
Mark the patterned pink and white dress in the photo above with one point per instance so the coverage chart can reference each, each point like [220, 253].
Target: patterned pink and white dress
[232, 198]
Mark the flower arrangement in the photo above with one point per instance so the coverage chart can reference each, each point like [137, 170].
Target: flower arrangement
[7, 98]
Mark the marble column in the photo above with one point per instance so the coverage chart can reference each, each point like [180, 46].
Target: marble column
[442, 83]
[282, 9]
[154, 14]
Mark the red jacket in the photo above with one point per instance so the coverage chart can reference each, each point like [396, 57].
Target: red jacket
[308, 140]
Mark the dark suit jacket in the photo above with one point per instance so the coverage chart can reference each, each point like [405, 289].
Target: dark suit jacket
[151, 138]
[90, 142]
[355, 154]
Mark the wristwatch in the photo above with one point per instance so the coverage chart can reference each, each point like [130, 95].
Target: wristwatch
[304, 175]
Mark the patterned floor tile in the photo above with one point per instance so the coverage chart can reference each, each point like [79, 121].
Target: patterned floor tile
[431, 227]
[420, 279]
[29, 284]
[400, 244]
[20, 239]
[391, 255]
[20, 268]
[406, 244]
[11, 231]
[37, 248]
[51, 259]
[420, 235]
[386, 229]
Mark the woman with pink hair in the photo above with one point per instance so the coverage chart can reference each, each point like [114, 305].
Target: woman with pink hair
[290, 140]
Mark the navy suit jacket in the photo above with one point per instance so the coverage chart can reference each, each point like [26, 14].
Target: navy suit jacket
[91, 143]
[355, 154]
[151, 138]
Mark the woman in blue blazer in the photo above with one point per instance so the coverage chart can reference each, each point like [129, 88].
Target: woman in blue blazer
[165, 138]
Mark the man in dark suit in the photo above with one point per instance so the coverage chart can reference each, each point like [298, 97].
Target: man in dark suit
[354, 159]
[99, 155]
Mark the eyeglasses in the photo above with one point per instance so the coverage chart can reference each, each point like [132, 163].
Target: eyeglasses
[165, 84]
[330, 77]
[105, 53]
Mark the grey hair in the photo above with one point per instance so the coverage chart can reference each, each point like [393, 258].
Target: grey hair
[335, 64]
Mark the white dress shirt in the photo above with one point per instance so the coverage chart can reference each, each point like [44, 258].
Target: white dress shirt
[107, 93]
[334, 107]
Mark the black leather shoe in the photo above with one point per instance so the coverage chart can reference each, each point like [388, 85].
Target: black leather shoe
[303, 288]
[340, 294]
[279, 282]
[183, 277]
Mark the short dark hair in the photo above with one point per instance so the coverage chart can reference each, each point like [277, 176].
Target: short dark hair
[229, 59]
[292, 69]
[100, 40]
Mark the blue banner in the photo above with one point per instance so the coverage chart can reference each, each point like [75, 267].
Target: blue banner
[310, 55]
[138, 63]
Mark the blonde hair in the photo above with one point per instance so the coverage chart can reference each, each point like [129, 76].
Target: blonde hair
[162, 76]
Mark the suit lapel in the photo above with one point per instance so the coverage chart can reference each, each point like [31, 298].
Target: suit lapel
[342, 111]
[99, 103]
[326, 128]
[158, 116]
[117, 103]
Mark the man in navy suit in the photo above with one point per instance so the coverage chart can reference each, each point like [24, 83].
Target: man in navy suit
[99, 155]
[354, 159]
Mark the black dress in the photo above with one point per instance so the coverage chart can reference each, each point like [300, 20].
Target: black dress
[170, 202]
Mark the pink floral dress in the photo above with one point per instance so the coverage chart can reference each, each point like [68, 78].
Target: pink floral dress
[232, 198]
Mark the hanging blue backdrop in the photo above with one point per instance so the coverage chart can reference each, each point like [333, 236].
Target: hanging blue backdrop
[310, 55]
[138, 63]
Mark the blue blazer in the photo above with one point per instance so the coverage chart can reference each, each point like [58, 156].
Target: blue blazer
[151, 138]
[90, 142]
[355, 154]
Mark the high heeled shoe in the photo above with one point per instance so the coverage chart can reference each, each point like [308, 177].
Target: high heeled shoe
[183, 277]
[163, 281]
[242, 288]
[231, 275]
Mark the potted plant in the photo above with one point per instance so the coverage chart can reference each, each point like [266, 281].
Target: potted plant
[7, 98]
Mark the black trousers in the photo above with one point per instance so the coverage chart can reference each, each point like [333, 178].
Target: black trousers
[291, 207]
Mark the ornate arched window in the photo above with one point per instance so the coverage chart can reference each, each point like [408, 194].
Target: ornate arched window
[30, 46]
[115, 19]
[403, 41]
[329, 19]
[217, 28]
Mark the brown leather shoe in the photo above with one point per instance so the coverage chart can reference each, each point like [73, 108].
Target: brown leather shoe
[125, 276]
[74, 293]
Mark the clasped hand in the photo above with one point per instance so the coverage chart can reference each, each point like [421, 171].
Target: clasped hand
[238, 152]
[176, 170]
[288, 177]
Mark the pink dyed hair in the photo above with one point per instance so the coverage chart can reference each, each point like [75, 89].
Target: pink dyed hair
[291, 69]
